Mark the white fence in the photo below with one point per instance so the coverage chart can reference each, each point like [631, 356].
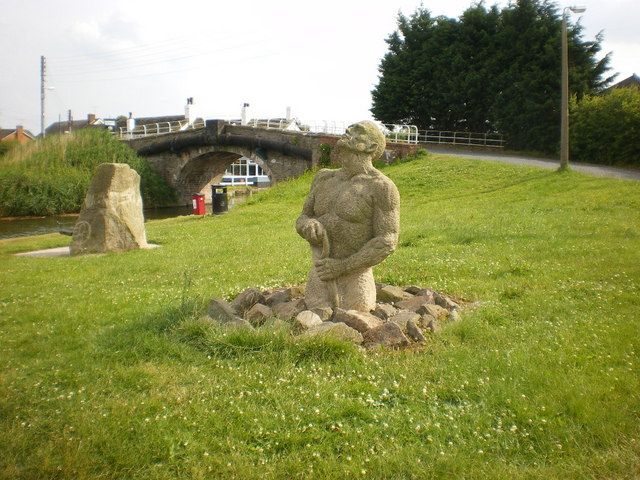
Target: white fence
[494, 140]
[396, 133]
[159, 128]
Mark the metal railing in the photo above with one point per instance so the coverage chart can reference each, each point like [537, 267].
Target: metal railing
[396, 133]
[159, 128]
[494, 140]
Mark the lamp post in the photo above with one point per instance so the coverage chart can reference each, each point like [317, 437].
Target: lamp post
[564, 107]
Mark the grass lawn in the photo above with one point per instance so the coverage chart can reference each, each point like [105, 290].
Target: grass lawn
[106, 372]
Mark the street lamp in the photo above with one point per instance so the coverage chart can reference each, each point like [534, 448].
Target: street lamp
[564, 107]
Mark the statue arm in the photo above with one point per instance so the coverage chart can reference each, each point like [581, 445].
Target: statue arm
[306, 225]
[386, 227]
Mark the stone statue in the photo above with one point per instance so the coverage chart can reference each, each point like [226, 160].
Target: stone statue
[351, 220]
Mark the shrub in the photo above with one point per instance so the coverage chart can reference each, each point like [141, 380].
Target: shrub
[606, 128]
[52, 175]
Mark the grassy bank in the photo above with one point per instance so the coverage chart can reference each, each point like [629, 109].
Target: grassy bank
[51, 175]
[107, 373]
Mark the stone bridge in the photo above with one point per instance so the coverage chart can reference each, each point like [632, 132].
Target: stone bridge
[192, 160]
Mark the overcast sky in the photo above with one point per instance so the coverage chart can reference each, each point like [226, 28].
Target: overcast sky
[148, 56]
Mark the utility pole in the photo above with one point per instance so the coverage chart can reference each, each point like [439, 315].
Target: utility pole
[43, 72]
[564, 82]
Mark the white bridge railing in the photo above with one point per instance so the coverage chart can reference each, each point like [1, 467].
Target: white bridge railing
[494, 140]
[159, 128]
[396, 133]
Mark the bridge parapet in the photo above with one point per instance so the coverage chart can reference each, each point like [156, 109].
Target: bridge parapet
[191, 160]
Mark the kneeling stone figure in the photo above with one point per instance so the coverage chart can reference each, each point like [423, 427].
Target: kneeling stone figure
[351, 220]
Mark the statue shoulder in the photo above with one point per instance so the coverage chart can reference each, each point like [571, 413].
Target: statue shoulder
[323, 175]
[386, 190]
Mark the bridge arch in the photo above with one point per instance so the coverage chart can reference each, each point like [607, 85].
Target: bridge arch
[194, 170]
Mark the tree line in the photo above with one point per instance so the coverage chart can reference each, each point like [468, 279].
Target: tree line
[489, 71]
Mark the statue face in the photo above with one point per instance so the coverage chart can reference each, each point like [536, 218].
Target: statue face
[356, 138]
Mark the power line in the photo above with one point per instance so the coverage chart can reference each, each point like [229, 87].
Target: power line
[121, 56]
[128, 77]
[155, 62]
[102, 53]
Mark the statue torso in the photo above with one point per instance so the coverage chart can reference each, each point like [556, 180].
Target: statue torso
[345, 207]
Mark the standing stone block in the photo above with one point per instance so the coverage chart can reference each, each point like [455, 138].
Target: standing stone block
[111, 218]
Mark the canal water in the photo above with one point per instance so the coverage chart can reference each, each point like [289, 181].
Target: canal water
[25, 226]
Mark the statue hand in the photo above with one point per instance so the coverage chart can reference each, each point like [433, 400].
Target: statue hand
[329, 268]
[313, 232]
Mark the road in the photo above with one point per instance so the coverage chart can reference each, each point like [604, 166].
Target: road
[590, 169]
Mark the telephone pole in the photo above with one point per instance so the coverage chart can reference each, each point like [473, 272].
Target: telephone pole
[43, 71]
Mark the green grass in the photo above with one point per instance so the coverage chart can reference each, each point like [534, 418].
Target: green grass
[51, 176]
[108, 373]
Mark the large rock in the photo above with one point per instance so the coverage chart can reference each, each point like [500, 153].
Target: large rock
[434, 310]
[247, 299]
[413, 289]
[414, 332]
[336, 330]
[278, 296]
[221, 311]
[444, 301]
[414, 303]
[392, 294]
[359, 321]
[306, 320]
[325, 313]
[111, 218]
[384, 311]
[403, 316]
[388, 335]
[429, 323]
[289, 310]
[258, 314]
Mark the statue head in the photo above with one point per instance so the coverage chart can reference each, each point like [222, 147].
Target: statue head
[364, 137]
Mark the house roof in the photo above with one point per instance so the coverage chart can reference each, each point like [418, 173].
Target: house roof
[63, 126]
[632, 81]
[122, 122]
[5, 132]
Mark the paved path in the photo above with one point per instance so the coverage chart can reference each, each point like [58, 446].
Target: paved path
[598, 170]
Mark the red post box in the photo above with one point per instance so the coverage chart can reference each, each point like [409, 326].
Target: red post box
[198, 204]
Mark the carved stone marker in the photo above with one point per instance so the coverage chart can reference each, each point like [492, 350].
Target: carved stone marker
[111, 218]
[351, 220]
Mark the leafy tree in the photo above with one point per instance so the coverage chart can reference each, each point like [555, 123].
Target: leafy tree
[606, 128]
[489, 70]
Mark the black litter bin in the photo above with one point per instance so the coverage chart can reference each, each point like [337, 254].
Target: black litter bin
[219, 202]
